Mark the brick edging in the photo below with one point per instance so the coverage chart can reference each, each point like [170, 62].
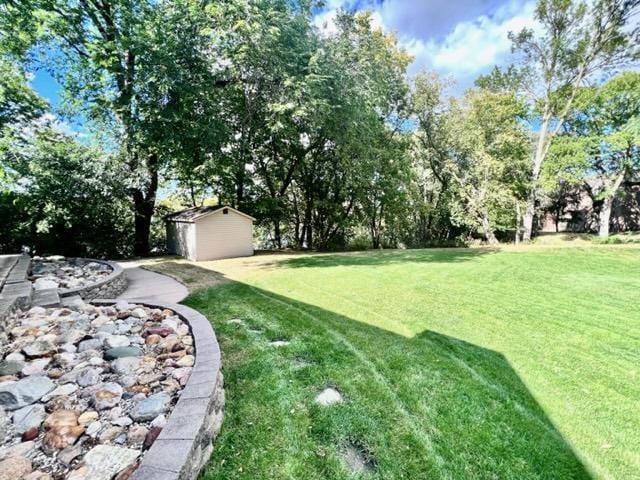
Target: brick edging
[115, 283]
[185, 443]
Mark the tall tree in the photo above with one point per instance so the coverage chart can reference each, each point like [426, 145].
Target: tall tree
[118, 61]
[577, 40]
[600, 142]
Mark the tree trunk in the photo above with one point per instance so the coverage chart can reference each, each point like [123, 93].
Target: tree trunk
[538, 158]
[489, 235]
[276, 233]
[144, 203]
[518, 223]
[605, 210]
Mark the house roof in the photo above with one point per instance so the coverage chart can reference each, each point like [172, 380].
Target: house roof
[191, 215]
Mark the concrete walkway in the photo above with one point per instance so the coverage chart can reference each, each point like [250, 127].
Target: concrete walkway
[146, 284]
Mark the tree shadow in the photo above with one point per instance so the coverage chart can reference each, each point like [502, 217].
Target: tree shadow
[429, 406]
[384, 257]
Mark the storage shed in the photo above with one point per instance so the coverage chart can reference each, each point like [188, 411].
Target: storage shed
[209, 233]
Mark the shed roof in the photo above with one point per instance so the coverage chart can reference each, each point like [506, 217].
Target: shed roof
[191, 215]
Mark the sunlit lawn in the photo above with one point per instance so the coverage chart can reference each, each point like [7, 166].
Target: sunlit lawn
[452, 364]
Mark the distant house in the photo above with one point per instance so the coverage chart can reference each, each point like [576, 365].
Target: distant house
[209, 233]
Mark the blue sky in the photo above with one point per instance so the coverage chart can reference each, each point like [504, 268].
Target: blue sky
[457, 38]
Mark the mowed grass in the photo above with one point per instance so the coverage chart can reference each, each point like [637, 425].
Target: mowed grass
[454, 364]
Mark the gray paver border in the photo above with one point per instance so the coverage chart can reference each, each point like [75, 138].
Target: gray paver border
[185, 443]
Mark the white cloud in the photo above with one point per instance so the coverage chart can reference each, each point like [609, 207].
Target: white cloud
[457, 38]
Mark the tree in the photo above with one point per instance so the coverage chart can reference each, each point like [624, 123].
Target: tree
[476, 147]
[578, 39]
[126, 66]
[68, 197]
[600, 142]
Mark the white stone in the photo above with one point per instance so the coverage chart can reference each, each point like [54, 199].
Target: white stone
[62, 390]
[114, 341]
[44, 283]
[328, 396]
[102, 462]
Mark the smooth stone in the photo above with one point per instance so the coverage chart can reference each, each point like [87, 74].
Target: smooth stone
[35, 367]
[328, 396]
[87, 417]
[102, 462]
[153, 339]
[114, 341]
[65, 359]
[37, 475]
[44, 284]
[89, 376]
[58, 438]
[106, 395]
[11, 367]
[151, 437]
[162, 331]
[62, 390]
[137, 434]
[182, 374]
[40, 348]
[106, 328]
[122, 352]
[33, 311]
[14, 468]
[30, 434]
[15, 357]
[68, 348]
[160, 421]
[186, 361]
[122, 305]
[139, 313]
[96, 361]
[15, 395]
[67, 455]
[94, 428]
[125, 365]
[72, 336]
[122, 421]
[61, 418]
[91, 344]
[151, 407]
[28, 417]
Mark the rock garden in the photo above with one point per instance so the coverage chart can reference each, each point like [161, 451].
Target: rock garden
[86, 389]
[62, 273]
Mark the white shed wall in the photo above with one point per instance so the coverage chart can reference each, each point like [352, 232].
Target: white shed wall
[181, 239]
[223, 236]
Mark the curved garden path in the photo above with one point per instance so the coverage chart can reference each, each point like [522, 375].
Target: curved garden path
[150, 285]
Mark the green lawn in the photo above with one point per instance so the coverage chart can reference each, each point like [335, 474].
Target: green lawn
[453, 364]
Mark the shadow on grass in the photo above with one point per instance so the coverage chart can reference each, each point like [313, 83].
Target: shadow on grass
[385, 257]
[430, 406]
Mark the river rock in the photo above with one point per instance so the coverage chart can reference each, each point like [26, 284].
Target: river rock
[15, 395]
[114, 341]
[14, 468]
[28, 417]
[151, 407]
[186, 361]
[89, 376]
[87, 417]
[35, 367]
[121, 352]
[125, 365]
[11, 367]
[40, 348]
[91, 344]
[102, 462]
[106, 395]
